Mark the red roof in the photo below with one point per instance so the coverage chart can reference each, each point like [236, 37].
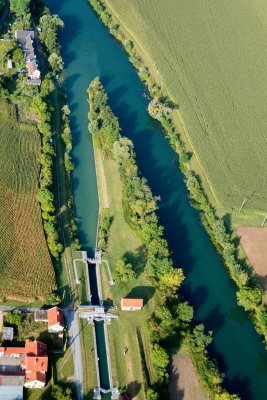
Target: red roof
[35, 348]
[55, 316]
[37, 363]
[136, 303]
[12, 350]
[35, 376]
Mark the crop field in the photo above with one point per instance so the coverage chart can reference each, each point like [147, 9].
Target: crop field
[211, 58]
[26, 271]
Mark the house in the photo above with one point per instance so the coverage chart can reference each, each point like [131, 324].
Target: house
[41, 316]
[26, 40]
[131, 304]
[55, 320]
[23, 366]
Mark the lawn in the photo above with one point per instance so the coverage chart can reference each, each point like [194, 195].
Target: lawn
[210, 58]
[26, 269]
[133, 370]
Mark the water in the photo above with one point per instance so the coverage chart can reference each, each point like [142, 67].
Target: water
[89, 50]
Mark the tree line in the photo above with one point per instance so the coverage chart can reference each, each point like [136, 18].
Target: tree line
[249, 291]
[172, 323]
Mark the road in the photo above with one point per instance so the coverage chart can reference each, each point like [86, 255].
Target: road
[4, 15]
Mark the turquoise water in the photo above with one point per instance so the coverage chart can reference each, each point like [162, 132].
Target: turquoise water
[89, 50]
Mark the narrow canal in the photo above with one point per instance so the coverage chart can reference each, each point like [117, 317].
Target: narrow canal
[89, 50]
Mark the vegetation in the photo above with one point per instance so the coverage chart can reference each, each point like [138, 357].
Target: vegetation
[25, 266]
[162, 108]
[165, 328]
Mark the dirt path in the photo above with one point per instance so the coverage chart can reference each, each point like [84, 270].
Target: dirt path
[254, 243]
[184, 384]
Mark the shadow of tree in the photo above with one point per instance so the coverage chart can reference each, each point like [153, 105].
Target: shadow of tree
[136, 259]
[145, 292]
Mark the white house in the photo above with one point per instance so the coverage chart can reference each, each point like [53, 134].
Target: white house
[55, 320]
[131, 304]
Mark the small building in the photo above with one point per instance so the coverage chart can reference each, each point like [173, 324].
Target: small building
[131, 304]
[9, 64]
[8, 333]
[55, 320]
[41, 316]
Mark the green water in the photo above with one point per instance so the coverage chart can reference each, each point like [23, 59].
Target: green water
[89, 50]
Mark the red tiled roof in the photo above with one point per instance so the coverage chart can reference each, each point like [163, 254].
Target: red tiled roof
[132, 302]
[55, 316]
[35, 348]
[36, 363]
[35, 376]
[12, 350]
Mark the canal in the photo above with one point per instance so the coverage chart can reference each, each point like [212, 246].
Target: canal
[89, 50]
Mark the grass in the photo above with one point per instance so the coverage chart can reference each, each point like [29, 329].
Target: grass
[209, 58]
[89, 369]
[129, 371]
[38, 394]
[25, 266]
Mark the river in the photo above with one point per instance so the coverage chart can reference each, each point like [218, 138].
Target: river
[89, 50]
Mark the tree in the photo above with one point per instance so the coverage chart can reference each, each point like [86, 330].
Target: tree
[151, 394]
[249, 298]
[199, 340]
[226, 396]
[20, 6]
[56, 63]
[52, 299]
[124, 271]
[17, 55]
[160, 357]
[185, 312]
[158, 110]
[172, 280]
[50, 25]
[14, 317]
[58, 393]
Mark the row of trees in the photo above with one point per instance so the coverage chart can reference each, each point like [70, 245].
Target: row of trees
[249, 291]
[171, 323]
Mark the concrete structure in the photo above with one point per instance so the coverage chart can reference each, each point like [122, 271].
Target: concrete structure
[8, 333]
[9, 64]
[23, 366]
[131, 304]
[55, 320]
[26, 40]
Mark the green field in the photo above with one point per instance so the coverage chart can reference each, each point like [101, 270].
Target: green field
[133, 370]
[26, 270]
[210, 58]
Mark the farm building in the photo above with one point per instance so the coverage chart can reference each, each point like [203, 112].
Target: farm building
[22, 366]
[131, 304]
[41, 316]
[26, 40]
[55, 320]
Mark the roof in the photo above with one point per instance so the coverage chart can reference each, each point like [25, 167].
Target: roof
[11, 392]
[23, 34]
[8, 333]
[35, 376]
[12, 379]
[12, 350]
[41, 315]
[35, 348]
[34, 363]
[55, 316]
[125, 302]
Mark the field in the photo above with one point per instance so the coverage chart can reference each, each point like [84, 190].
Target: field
[134, 369]
[210, 57]
[26, 270]
[184, 383]
[254, 244]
